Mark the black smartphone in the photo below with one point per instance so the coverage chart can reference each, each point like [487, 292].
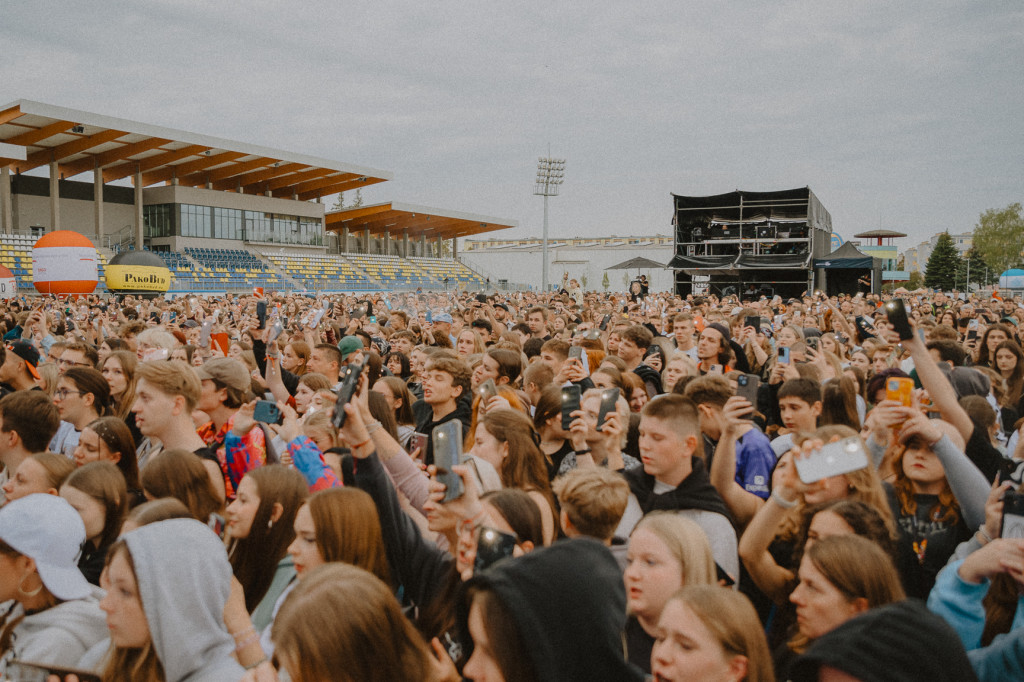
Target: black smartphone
[492, 546]
[487, 390]
[752, 321]
[261, 314]
[1013, 515]
[747, 386]
[570, 403]
[267, 412]
[30, 672]
[609, 398]
[349, 383]
[972, 334]
[604, 322]
[447, 439]
[896, 313]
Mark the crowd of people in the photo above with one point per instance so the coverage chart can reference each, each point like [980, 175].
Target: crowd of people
[512, 486]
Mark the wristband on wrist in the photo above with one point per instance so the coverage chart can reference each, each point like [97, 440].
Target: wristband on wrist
[984, 534]
[360, 445]
[781, 501]
[584, 451]
[372, 427]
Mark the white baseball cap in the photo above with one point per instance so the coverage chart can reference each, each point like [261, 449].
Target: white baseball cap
[48, 530]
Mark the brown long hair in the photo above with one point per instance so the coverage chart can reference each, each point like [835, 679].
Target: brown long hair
[946, 510]
[116, 435]
[348, 529]
[342, 623]
[128, 361]
[524, 466]
[839, 403]
[858, 568]
[103, 482]
[181, 474]
[254, 558]
[139, 665]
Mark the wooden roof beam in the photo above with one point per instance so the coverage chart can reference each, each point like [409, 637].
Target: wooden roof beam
[108, 157]
[31, 137]
[252, 181]
[184, 170]
[296, 178]
[8, 115]
[344, 186]
[150, 162]
[347, 215]
[232, 169]
[63, 151]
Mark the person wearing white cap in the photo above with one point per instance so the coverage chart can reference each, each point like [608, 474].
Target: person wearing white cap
[55, 617]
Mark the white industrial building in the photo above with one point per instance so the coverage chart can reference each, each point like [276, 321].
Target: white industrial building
[519, 261]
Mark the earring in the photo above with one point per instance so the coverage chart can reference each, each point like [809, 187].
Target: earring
[26, 593]
[270, 523]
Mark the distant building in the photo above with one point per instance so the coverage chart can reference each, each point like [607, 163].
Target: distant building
[916, 257]
[520, 261]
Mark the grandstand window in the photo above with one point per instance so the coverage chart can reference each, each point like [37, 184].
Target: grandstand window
[227, 223]
[285, 227]
[157, 220]
[196, 221]
[257, 226]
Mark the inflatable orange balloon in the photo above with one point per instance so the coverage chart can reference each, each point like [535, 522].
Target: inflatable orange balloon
[64, 262]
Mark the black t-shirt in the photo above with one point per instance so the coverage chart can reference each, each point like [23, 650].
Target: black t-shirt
[925, 542]
[639, 645]
[556, 459]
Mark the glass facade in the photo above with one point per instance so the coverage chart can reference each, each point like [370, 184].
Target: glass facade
[158, 220]
[187, 220]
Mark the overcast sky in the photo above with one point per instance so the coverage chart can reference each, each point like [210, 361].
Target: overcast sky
[905, 115]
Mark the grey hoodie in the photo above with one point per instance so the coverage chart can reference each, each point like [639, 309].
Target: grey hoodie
[60, 634]
[184, 580]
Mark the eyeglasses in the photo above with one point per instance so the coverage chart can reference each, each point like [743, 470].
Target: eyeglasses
[63, 393]
[61, 362]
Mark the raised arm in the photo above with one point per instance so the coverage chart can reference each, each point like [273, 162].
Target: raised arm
[743, 505]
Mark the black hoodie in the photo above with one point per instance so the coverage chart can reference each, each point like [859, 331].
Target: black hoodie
[569, 605]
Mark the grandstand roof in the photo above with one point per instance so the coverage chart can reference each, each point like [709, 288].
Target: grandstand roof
[80, 141]
[395, 218]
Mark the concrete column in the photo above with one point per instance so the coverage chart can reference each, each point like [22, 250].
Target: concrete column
[344, 240]
[7, 215]
[97, 203]
[54, 196]
[138, 210]
[386, 241]
[455, 248]
[405, 243]
[423, 245]
[366, 240]
[440, 249]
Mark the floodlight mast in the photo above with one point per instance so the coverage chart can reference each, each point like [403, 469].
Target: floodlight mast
[550, 174]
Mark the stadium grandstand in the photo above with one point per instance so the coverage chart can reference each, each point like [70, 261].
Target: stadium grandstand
[224, 216]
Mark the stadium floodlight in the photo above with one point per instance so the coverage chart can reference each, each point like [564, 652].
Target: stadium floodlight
[550, 174]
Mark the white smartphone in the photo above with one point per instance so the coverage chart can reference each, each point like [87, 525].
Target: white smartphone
[833, 459]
